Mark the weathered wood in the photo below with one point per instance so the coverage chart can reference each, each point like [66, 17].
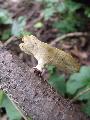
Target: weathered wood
[32, 94]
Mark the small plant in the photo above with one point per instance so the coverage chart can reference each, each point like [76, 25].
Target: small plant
[71, 15]
[5, 17]
[9, 109]
[76, 87]
[11, 27]
[18, 26]
[57, 81]
[5, 23]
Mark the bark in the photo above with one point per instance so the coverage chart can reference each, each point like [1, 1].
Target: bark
[32, 94]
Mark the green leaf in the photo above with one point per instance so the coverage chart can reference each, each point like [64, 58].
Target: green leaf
[83, 94]
[61, 7]
[70, 23]
[58, 83]
[38, 25]
[87, 12]
[6, 34]
[72, 6]
[5, 17]
[18, 26]
[48, 12]
[1, 96]
[86, 108]
[51, 69]
[24, 33]
[12, 112]
[79, 80]
[65, 26]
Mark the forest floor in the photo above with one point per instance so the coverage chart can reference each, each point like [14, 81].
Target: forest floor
[55, 106]
[77, 45]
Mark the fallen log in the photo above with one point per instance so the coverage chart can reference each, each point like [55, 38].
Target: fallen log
[33, 95]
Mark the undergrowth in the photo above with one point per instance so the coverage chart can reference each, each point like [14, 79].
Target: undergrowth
[70, 16]
[11, 27]
[76, 87]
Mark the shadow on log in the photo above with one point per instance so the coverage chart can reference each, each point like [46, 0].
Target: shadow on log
[32, 94]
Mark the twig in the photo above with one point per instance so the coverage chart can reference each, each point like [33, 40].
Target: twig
[76, 34]
[9, 40]
[81, 93]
